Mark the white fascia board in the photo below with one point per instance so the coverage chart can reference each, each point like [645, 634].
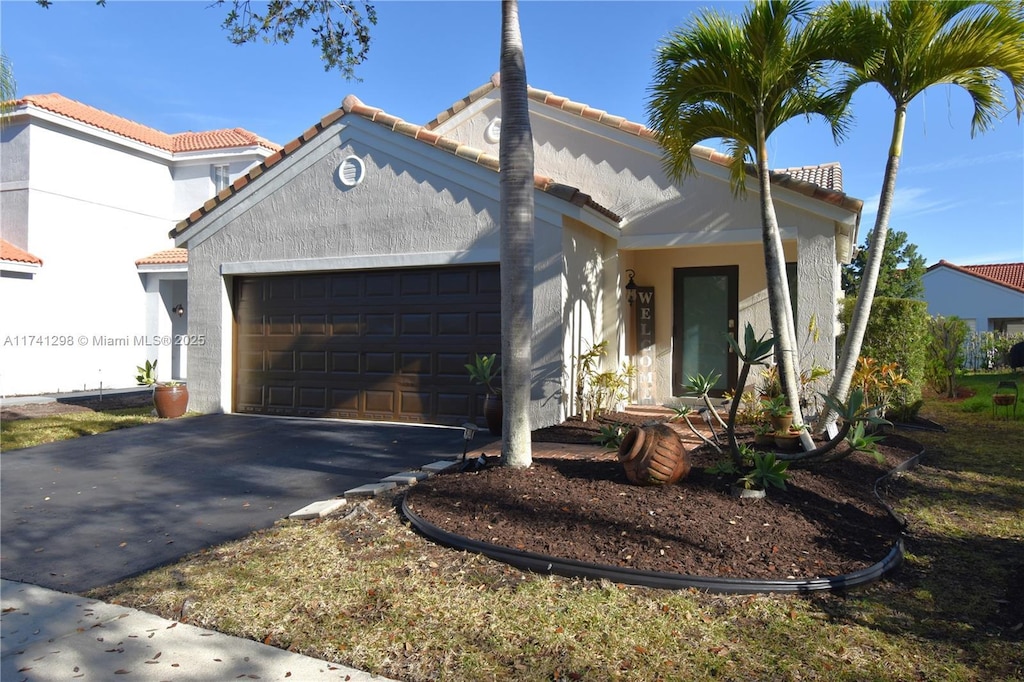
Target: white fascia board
[225, 154]
[98, 133]
[14, 266]
[371, 262]
[162, 267]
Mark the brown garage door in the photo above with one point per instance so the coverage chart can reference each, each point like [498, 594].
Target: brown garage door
[381, 344]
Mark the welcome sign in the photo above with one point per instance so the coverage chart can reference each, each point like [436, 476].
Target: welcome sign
[645, 349]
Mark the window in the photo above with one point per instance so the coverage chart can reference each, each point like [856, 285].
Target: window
[221, 177]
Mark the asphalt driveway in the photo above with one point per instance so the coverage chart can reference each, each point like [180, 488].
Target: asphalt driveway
[87, 512]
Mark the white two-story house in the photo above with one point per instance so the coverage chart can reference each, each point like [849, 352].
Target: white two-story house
[90, 284]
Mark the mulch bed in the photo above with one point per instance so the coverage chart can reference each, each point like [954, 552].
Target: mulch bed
[827, 522]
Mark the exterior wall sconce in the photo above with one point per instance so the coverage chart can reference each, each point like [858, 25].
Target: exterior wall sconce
[631, 285]
[179, 309]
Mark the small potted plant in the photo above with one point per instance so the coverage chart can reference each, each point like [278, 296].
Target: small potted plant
[790, 437]
[170, 398]
[484, 371]
[767, 471]
[764, 434]
[779, 412]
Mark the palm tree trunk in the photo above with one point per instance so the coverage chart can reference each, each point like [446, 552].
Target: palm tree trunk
[779, 306]
[517, 186]
[869, 279]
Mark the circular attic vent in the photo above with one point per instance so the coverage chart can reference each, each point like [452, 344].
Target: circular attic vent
[493, 131]
[351, 171]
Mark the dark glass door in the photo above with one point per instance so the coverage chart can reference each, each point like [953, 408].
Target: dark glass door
[705, 307]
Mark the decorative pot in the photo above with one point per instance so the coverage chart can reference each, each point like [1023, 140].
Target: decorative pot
[494, 413]
[748, 493]
[787, 441]
[653, 455]
[781, 422]
[764, 439]
[170, 401]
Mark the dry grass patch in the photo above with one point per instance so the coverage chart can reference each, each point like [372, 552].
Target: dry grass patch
[24, 433]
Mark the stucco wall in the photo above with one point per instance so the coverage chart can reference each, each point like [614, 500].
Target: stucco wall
[588, 303]
[949, 292]
[416, 206]
[92, 212]
[619, 170]
[655, 268]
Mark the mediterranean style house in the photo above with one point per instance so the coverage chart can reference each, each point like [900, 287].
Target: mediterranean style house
[354, 272]
[90, 283]
[990, 298]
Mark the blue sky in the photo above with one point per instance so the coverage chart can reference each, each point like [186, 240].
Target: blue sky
[169, 65]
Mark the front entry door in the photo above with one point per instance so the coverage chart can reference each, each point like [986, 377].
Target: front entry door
[705, 307]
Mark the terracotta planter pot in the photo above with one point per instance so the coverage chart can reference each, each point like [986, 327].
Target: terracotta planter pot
[764, 439]
[781, 423]
[787, 441]
[653, 455]
[170, 401]
[494, 413]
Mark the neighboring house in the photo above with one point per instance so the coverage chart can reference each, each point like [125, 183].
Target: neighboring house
[354, 273]
[990, 298]
[86, 196]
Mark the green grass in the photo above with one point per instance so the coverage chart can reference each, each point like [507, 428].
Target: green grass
[24, 433]
[368, 592]
[984, 385]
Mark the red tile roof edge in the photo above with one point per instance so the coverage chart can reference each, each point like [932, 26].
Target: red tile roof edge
[14, 254]
[1009, 275]
[353, 106]
[790, 178]
[165, 257]
[172, 142]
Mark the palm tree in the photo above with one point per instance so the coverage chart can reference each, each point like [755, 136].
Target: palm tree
[740, 82]
[8, 88]
[918, 45]
[515, 154]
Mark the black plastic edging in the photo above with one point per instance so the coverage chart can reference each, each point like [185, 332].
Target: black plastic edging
[570, 568]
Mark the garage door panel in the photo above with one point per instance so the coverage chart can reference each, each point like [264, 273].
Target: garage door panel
[419, 364]
[313, 362]
[313, 398]
[345, 363]
[387, 344]
[376, 324]
[345, 325]
[416, 324]
[281, 325]
[488, 324]
[453, 324]
[313, 325]
[280, 396]
[379, 363]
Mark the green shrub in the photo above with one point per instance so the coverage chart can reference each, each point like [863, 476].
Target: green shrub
[897, 331]
[945, 352]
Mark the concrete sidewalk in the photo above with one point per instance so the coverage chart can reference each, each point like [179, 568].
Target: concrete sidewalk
[47, 635]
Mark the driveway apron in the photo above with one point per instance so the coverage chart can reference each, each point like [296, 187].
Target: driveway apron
[87, 512]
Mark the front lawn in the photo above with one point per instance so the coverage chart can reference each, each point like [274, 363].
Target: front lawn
[364, 590]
